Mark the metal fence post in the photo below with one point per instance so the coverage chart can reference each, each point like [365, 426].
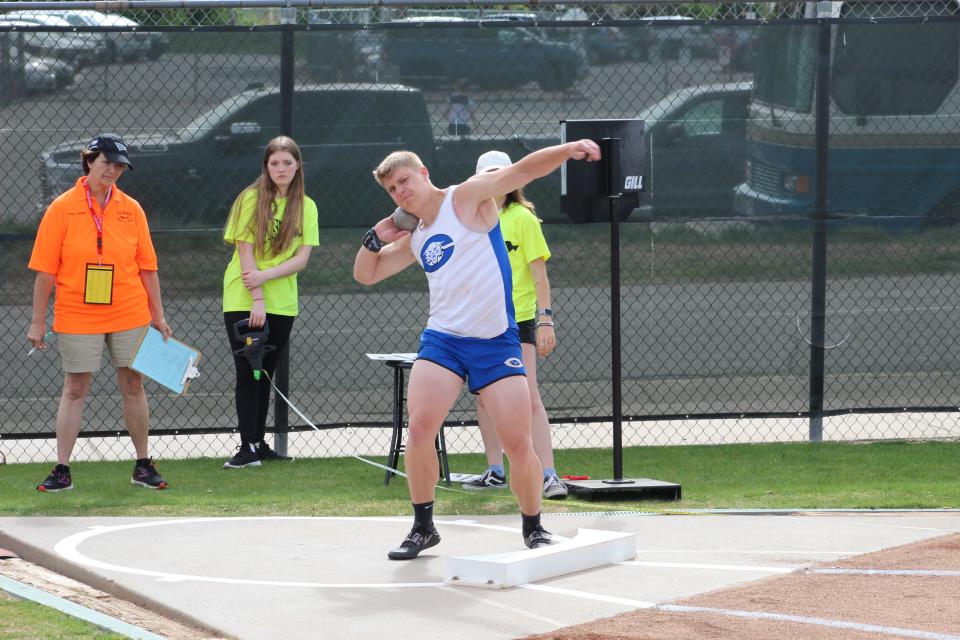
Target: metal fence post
[288, 18]
[818, 293]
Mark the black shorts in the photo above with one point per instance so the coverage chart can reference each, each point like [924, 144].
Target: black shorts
[528, 331]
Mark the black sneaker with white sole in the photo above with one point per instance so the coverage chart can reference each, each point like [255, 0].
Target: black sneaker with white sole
[415, 542]
[539, 537]
[489, 480]
[266, 454]
[246, 456]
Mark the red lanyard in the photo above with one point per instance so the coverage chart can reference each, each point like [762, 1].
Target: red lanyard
[98, 221]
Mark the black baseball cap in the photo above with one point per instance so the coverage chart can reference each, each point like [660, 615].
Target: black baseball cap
[112, 147]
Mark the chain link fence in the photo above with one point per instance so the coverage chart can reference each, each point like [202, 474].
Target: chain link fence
[722, 339]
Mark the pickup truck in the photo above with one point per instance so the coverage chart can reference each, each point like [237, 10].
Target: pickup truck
[443, 52]
[191, 177]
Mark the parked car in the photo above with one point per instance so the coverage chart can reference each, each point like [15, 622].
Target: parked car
[127, 45]
[600, 43]
[344, 130]
[37, 73]
[134, 43]
[697, 144]
[130, 44]
[492, 58]
[336, 55]
[192, 176]
[672, 39]
[640, 40]
[26, 73]
[65, 43]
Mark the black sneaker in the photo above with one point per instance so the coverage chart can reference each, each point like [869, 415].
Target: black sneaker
[246, 456]
[489, 480]
[58, 480]
[146, 475]
[415, 542]
[266, 454]
[537, 538]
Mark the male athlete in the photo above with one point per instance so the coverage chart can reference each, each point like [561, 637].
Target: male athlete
[471, 333]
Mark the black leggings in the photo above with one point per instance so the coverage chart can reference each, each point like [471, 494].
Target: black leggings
[253, 396]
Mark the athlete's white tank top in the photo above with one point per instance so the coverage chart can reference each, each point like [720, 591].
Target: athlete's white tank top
[469, 276]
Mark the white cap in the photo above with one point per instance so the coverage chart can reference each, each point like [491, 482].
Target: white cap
[492, 159]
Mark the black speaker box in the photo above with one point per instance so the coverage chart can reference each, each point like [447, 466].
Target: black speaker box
[586, 186]
[624, 170]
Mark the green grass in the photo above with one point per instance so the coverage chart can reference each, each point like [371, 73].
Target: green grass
[891, 474]
[24, 620]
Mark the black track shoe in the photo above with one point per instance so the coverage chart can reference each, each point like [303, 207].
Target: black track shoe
[266, 454]
[246, 456]
[415, 542]
[537, 538]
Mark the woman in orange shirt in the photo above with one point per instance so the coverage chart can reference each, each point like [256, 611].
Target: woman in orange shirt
[94, 244]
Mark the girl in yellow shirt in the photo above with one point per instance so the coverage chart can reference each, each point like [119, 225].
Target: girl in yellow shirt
[273, 226]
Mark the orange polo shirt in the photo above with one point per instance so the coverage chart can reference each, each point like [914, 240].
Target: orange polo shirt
[67, 242]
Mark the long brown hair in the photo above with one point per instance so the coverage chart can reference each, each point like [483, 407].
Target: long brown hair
[516, 196]
[262, 220]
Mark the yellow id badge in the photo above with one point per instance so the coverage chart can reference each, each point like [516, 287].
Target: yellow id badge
[99, 286]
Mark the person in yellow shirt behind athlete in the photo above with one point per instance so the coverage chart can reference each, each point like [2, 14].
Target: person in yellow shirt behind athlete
[528, 254]
[94, 244]
[273, 225]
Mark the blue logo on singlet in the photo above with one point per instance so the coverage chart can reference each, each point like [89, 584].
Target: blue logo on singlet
[436, 251]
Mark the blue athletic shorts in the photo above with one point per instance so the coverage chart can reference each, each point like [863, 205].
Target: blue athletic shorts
[480, 361]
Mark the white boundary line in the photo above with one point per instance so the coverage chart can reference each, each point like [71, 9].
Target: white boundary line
[636, 604]
[822, 622]
[717, 567]
[750, 552]
[761, 615]
[885, 572]
[491, 602]
[67, 548]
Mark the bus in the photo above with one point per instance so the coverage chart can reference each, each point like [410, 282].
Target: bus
[894, 114]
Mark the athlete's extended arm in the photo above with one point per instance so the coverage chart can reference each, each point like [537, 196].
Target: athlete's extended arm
[538, 164]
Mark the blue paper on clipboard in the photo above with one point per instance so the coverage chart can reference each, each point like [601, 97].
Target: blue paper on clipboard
[171, 363]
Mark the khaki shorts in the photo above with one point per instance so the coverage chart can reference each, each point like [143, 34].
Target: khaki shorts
[82, 352]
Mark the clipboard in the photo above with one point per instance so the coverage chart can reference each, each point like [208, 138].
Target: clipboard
[172, 363]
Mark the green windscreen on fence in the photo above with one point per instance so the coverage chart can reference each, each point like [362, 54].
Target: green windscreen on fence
[716, 261]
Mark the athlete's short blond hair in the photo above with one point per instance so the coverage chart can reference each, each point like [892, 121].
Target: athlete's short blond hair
[393, 161]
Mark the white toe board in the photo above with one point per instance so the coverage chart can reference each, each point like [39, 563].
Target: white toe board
[588, 549]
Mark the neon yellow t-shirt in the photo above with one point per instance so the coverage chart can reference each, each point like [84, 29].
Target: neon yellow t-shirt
[279, 295]
[525, 243]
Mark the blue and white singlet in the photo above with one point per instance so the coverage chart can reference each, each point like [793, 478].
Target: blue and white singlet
[468, 273]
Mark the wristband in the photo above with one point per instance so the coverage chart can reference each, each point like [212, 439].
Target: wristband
[544, 324]
[258, 299]
[371, 241]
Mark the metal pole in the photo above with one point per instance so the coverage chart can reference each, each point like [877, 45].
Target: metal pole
[610, 148]
[288, 17]
[281, 416]
[818, 302]
[281, 413]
